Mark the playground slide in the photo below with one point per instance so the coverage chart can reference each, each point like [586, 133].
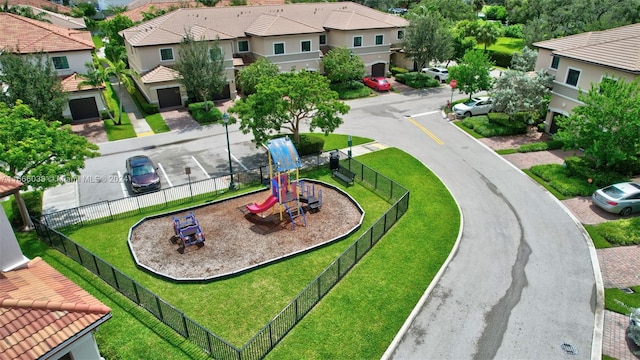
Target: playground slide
[266, 205]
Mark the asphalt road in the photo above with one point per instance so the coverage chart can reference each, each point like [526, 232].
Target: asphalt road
[520, 283]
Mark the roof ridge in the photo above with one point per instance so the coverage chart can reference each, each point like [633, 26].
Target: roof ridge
[53, 306]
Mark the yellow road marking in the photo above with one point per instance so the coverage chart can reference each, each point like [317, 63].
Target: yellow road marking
[426, 131]
[148, 133]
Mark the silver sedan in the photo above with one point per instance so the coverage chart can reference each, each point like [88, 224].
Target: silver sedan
[622, 198]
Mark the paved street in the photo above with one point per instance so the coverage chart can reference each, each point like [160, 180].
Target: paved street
[520, 284]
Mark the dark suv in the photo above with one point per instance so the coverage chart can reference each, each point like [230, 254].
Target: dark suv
[141, 174]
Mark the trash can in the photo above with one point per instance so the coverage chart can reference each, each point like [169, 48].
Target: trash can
[334, 160]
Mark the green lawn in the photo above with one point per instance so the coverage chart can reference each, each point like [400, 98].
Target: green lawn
[505, 44]
[157, 124]
[125, 129]
[238, 307]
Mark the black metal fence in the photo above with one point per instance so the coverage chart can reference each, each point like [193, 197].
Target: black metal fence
[272, 333]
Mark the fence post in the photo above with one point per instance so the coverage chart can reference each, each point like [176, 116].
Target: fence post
[78, 251]
[135, 290]
[79, 217]
[109, 207]
[95, 262]
[159, 308]
[184, 323]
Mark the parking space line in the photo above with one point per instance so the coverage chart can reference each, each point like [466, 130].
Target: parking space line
[200, 166]
[239, 162]
[165, 175]
[123, 184]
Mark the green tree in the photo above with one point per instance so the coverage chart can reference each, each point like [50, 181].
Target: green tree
[485, 32]
[517, 91]
[114, 49]
[83, 10]
[41, 154]
[472, 73]
[524, 60]
[201, 67]
[428, 38]
[452, 10]
[24, 11]
[119, 70]
[251, 75]
[95, 77]
[287, 100]
[607, 125]
[34, 80]
[341, 66]
[461, 42]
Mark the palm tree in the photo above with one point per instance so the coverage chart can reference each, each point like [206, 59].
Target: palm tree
[123, 74]
[95, 77]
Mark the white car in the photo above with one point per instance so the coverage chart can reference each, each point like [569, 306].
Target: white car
[475, 106]
[440, 74]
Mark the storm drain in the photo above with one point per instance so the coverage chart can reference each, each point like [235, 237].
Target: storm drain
[627, 290]
[569, 349]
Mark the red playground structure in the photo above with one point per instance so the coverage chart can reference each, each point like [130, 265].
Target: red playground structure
[188, 232]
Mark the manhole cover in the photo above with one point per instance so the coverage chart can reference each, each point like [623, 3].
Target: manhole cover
[627, 290]
[569, 349]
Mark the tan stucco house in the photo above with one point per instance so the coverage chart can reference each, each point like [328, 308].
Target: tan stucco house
[291, 36]
[67, 48]
[580, 60]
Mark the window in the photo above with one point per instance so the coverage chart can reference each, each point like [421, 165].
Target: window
[305, 46]
[323, 39]
[554, 62]
[400, 34]
[379, 39]
[166, 54]
[243, 46]
[278, 48]
[215, 53]
[357, 41]
[572, 77]
[60, 62]
[605, 83]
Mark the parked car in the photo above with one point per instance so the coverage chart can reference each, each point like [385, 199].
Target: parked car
[142, 174]
[377, 83]
[398, 11]
[438, 73]
[476, 106]
[622, 198]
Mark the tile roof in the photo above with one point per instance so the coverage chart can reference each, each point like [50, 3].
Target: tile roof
[41, 4]
[136, 8]
[41, 309]
[238, 21]
[70, 84]
[8, 185]
[159, 74]
[31, 36]
[60, 19]
[617, 48]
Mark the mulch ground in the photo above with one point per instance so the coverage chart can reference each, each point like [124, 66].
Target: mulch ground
[237, 240]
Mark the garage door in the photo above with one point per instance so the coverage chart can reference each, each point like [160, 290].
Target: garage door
[378, 70]
[83, 109]
[224, 95]
[169, 97]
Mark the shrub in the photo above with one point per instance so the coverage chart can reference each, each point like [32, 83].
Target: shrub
[398, 70]
[540, 146]
[143, 104]
[514, 31]
[500, 59]
[482, 126]
[496, 12]
[417, 80]
[499, 118]
[350, 90]
[559, 179]
[584, 168]
[33, 202]
[522, 117]
[309, 145]
[199, 113]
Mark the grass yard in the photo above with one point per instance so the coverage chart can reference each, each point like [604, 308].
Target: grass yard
[239, 306]
[505, 45]
[359, 318]
[387, 279]
[157, 124]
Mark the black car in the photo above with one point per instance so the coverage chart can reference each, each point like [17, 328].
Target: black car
[142, 174]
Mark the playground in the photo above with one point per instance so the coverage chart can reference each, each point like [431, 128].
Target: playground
[243, 232]
[237, 240]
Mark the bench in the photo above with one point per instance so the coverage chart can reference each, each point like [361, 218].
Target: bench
[344, 174]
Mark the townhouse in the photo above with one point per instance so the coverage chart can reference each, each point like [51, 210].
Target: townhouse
[68, 49]
[293, 36]
[580, 60]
